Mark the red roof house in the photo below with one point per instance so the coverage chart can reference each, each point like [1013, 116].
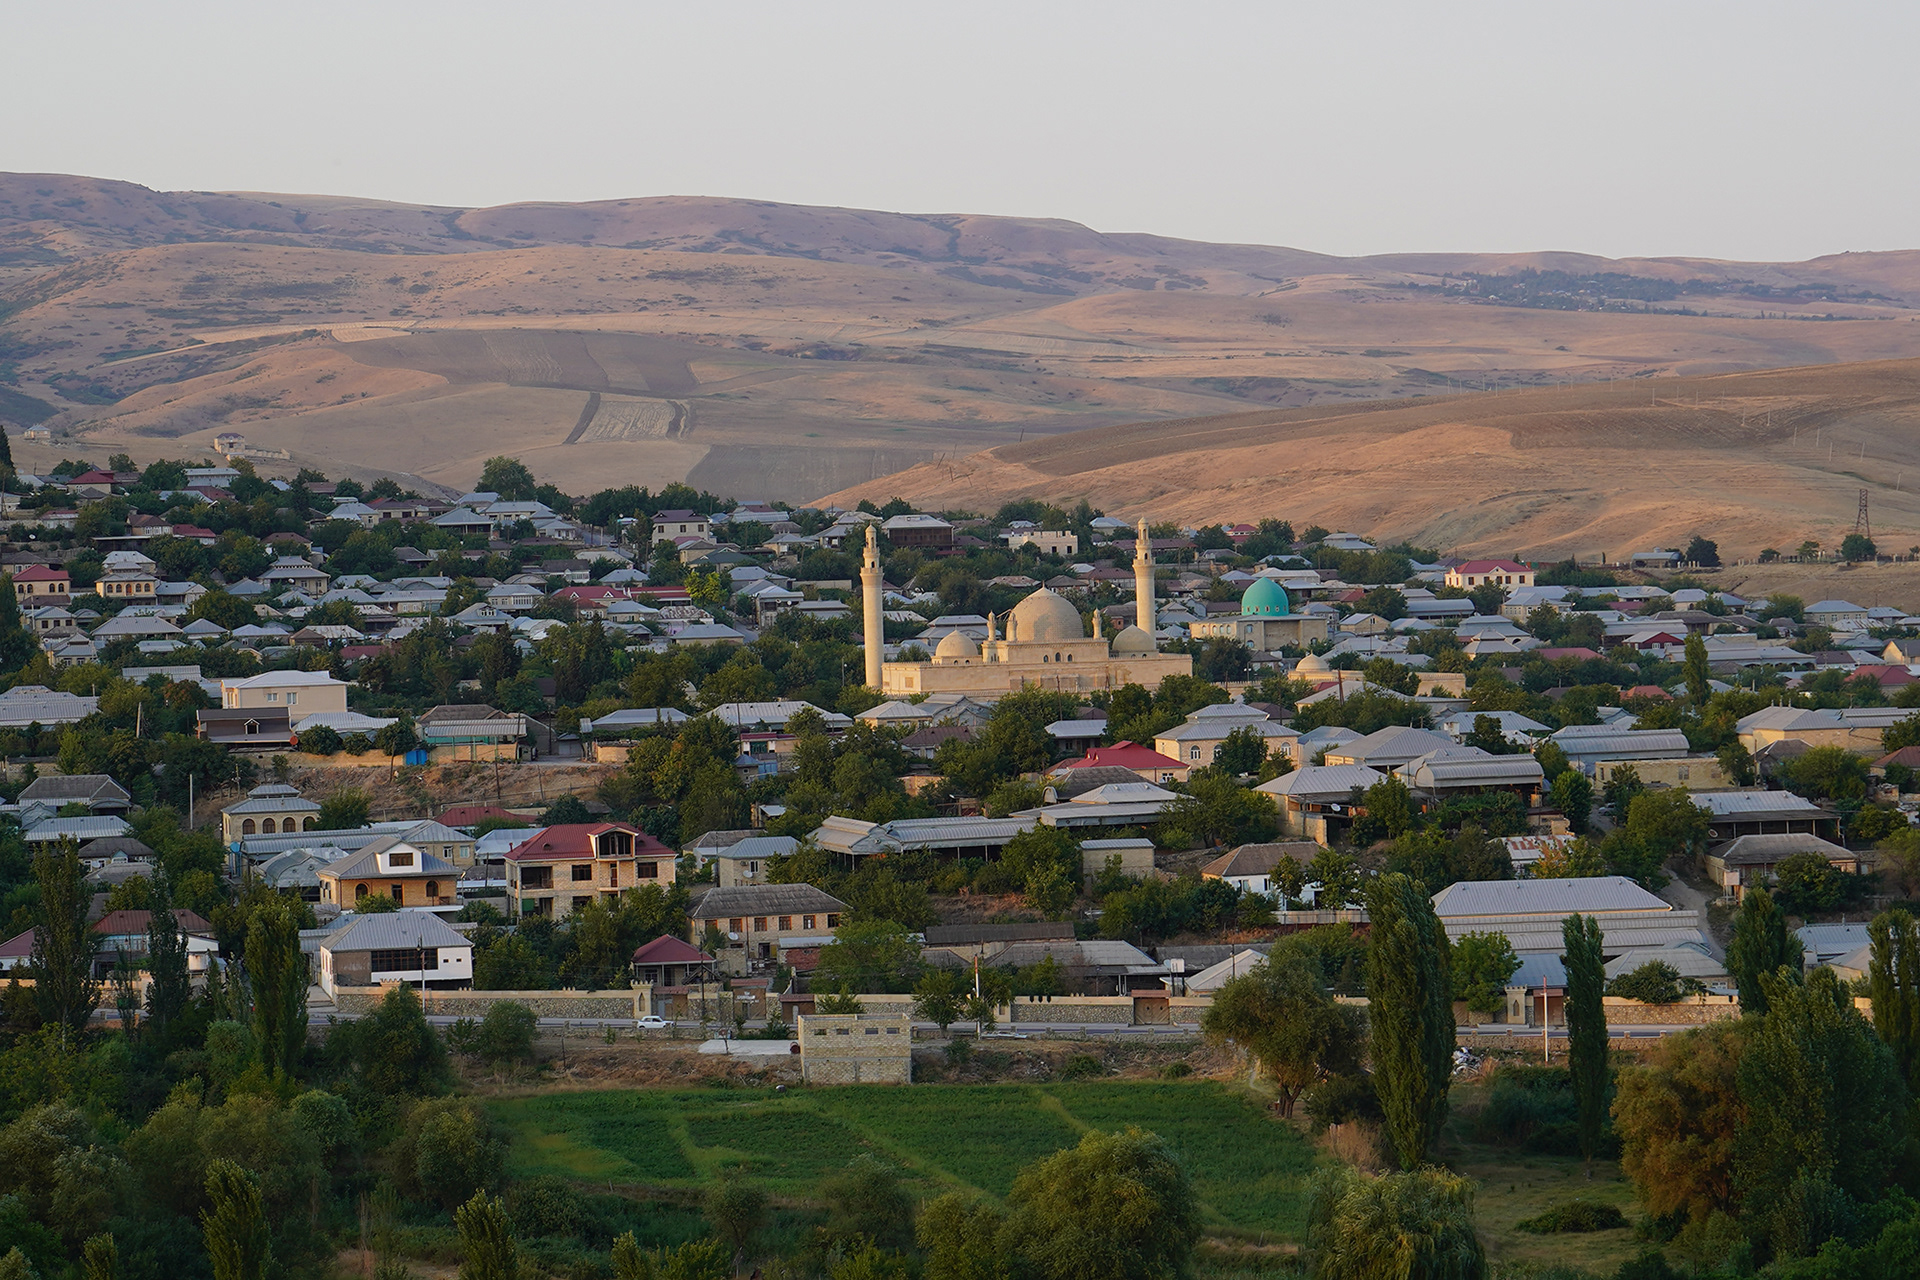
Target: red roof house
[1143, 761]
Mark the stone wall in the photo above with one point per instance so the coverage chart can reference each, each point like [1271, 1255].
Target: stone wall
[585, 1005]
[1700, 1009]
[855, 1049]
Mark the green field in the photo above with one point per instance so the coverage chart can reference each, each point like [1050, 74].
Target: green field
[1249, 1169]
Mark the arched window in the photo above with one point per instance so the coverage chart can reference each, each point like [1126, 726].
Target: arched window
[1069, 657]
[266, 826]
[1044, 658]
[247, 828]
[1056, 657]
[359, 892]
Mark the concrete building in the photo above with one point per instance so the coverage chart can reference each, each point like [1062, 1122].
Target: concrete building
[856, 1049]
[1266, 621]
[413, 947]
[557, 870]
[298, 693]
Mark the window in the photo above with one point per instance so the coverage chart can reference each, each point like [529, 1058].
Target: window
[292, 698]
[433, 890]
[786, 922]
[359, 892]
[646, 870]
[273, 697]
[266, 826]
[833, 921]
[1193, 753]
[536, 878]
[399, 857]
[759, 924]
[733, 925]
[404, 960]
[581, 902]
[399, 893]
[806, 922]
[247, 827]
[582, 871]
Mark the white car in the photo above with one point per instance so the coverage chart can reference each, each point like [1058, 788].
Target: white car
[652, 1022]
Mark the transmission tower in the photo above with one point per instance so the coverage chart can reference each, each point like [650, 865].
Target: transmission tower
[1861, 524]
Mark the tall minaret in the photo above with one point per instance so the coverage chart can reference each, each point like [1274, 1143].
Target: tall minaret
[1143, 580]
[872, 623]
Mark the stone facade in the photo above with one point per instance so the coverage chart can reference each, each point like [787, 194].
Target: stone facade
[855, 1049]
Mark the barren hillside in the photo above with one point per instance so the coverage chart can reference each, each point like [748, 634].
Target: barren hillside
[774, 350]
[1752, 460]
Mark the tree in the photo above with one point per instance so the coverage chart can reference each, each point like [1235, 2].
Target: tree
[1481, 964]
[509, 478]
[1389, 807]
[16, 645]
[1281, 1013]
[1806, 882]
[396, 739]
[100, 1258]
[1572, 795]
[1702, 551]
[62, 962]
[506, 1032]
[1655, 982]
[1416, 1224]
[1410, 1014]
[1738, 764]
[486, 1244]
[1668, 822]
[1065, 1211]
[1857, 546]
[1552, 758]
[837, 1002]
[1242, 752]
[1337, 876]
[1678, 1116]
[1699, 674]
[345, 810]
[867, 1200]
[1826, 773]
[1761, 945]
[1487, 735]
[1586, 1027]
[870, 956]
[1825, 1113]
[394, 1049]
[1893, 980]
[278, 972]
[936, 998]
[239, 1245]
[170, 989]
[737, 1211]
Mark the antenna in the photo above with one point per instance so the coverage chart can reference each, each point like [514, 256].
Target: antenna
[1862, 525]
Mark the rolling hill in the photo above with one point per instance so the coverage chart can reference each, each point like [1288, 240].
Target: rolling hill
[774, 350]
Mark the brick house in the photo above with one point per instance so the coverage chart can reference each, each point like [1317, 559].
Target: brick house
[557, 870]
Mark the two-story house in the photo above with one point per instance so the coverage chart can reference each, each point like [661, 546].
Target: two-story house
[393, 867]
[37, 584]
[557, 870]
[745, 925]
[268, 810]
[298, 693]
[1500, 573]
[132, 585]
[668, 525]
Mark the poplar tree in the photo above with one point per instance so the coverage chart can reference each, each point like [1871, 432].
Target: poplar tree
[62, 963]
[1760, 946]
[1893, 978]
[169, 990]
[278, 972]
[1410, 1012]
[1586, 1027]
[235, 1224]
[16, 646]
[485, 1240]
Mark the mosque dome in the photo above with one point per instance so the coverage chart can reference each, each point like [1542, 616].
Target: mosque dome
[1264, 598]
[1312, 665]
[1132, 639]
[1044, 618]
[955, 645]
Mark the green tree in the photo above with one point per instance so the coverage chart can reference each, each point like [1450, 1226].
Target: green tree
[1415, 1224]
[867, 1200]
[1857, 546]
[1282, 1015]
[393, 1050]
[16, 645]
[1893, 981]
[1338, 878]
[278, 973]
[1552, 759]
[1826, 773]
[1586, 1027]
[1389, 807]
[1668, 822]
[1572, 795]
[1655, 982]
[736, 1209]
[1901, 733]
[396, 739]
[62, 961]
[344, 810]
[506, 1032]
[1698, 673]
[837, 1002]
[870, 956]
[963, 1238]
[239, 1244]
[1825, 1113]
[486, 1243]
[100, 1258]
[1242, 752]
[1738, 763]
[1410, 1014]
[1761, 946]
[1704, 552]
[509, 478]
[1481, 964]
[1064, 1211]
[170, 989]
[936, 998]
[1678, 1115]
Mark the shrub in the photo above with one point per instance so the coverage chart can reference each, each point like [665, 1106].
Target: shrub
[1341, 1100]
[1655, 982]
[1532, 1109]
[1574, 1215]
[1082, 1066]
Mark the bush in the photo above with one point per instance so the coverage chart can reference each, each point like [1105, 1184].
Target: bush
[1083, 1066]
[1574, 1215]
[1655, 982]
[545, 1206]
[319, 741]
[1532, 1109]
[1341, 1100]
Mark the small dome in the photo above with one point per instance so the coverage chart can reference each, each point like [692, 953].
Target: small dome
[1264, 598]
[1132, 640]
[956, 644]
[1044, 617]
[1312, 665]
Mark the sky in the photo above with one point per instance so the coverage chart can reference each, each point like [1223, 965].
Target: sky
[1748, 130]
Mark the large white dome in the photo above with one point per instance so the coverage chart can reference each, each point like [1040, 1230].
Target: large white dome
[1044, 618]
[956, 644]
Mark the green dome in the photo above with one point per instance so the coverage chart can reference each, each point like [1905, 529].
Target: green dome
[1265, 598]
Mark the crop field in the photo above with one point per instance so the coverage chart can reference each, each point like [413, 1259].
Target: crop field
[1250, 1170]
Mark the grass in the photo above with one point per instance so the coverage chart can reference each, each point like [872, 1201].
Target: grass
[1250, 1170]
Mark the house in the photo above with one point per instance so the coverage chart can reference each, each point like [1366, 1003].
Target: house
[82, 831]
[298, 693]
[100, 793]
[928, 532]
[1044, 542]
[856, 1048]
[39, 585]
[1589, 745]
[1740, 813]
[412, 947]
[262, 727]
[473, 727]
[669, 962]
[755, 924]
[557, 870]
[1388, 749]
[1836, 615]
[1746, 861]
[1143, 762]
[1316, 802]
[394, 867]
[1250, 867]
[1451, 770]
[291, 572]
[1858, 729]
[132, 586]
[1131, 856]
[745, 861]
[274, 807]
[668, 525]
[1507, 574]
[126, 932]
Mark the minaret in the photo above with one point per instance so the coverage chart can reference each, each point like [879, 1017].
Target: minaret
[873, 624]
[1143, 581]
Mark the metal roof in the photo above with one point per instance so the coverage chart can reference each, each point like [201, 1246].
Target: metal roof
[1727, 804]
[764, 900]
[1765, 850]
[91, 828]
[1457, 769]
[935, 833]
[366, 863]
[1323, 781]
[1588, 895]
[760, 846]
[394, 931]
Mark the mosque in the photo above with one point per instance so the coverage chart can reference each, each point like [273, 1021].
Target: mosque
[1266, 621]
[1046, 646]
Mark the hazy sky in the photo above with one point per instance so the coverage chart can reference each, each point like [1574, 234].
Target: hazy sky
[1738, 130]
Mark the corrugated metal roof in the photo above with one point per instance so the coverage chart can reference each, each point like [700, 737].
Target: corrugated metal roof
[1727, 804]
[1768, 849]
[763, 900]
[931, 833]
[1322, 781]
[394, 931]
[90, 828]
[1586, 895]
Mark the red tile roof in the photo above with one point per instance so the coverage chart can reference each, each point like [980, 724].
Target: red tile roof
[467, 815]
[40, 573]
[128, 922]
[572, 841]
[1646, 691]
[1124, 755]
[667, 949]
